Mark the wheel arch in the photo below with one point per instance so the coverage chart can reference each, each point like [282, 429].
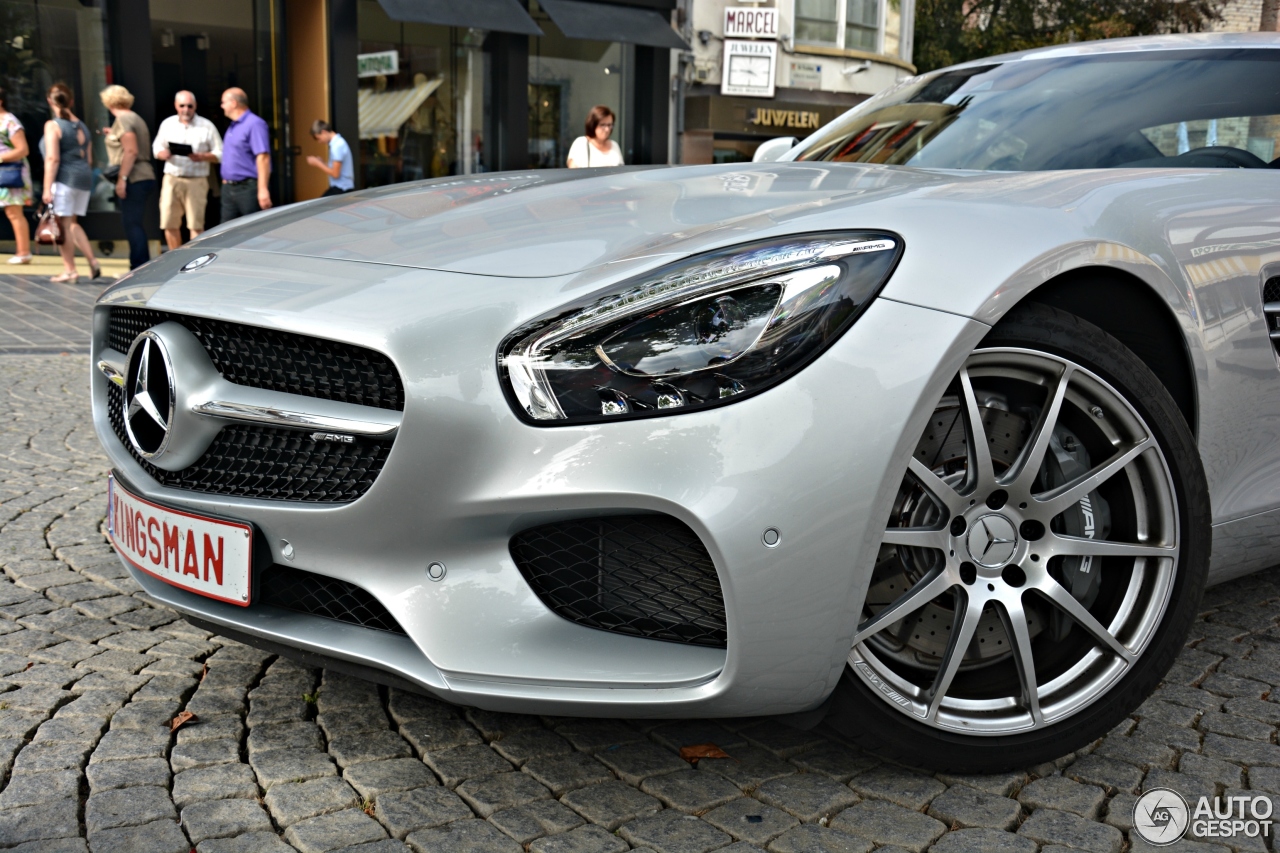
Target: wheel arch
[1128, 309]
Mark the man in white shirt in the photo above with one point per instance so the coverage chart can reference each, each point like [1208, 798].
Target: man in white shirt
[187, 143]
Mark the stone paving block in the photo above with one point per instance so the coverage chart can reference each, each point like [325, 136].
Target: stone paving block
[1119, 811]
[595, 735]
[808, 838]
[71, 593]
[567, 773]
[79, 729]
[670, 831]
[1239, 751]
[1168, 713]
[694, 733]
[90, 631]
[969, 807]
[747, 819]
[780, 739]
[344, 723]
[290, 765]
[1186, 845]
[1234, 726]
[173, 666]
[116, 661]
[127, 807]
[252, 842]
[611, 804]
[1204, 767]
[33, 789]
[454, 766]
[463, 836]
[300, 735]
[533, 820]
[166, 687]
[520, 746]
[383, 777]
[46, 757]
[748, 768]
[68, 653]
[584, 839]
[983, 841]
[898, 785]
[182, 649]
[218, 782]
[807, 796]
[1191, 787]
[20, 724]
[1056, 792]
[224, 819]
[1139, 752]
[838, 761]
[145, 618]
[161, 836]
[99, 703]
[1254, 709]
[106, 775]
[434, 734]
[634, 762]
[276, 709]
[1265, 779]
[125, 744]
[36, 697]
[56, 675]
[494, 725]
[1054, 827]
[1106, 773]
[209, 703]
[1174, 736]
[145, 714]
[53, 845]
[404, 707]
[105, 608]
[350, 750]
[211, 729]
[292, 802]
[694, 793]
[889, 824]
[189, 756]
[408, 811]
[386, 845]
[1233, 685]
[334, 831]
[51, 819]
[504, 790]
[130, 640]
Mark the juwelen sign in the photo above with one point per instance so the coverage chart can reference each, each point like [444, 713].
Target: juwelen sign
[751, 23]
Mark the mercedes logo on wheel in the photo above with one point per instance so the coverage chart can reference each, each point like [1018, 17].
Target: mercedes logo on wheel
[992, 541]
[148, 395]
[1161, 816]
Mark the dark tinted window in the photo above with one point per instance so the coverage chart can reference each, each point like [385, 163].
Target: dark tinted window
[1207, 108]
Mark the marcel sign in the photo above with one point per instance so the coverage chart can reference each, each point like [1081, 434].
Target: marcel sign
[751, 23]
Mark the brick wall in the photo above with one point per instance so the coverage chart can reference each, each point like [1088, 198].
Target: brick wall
[1240, 16]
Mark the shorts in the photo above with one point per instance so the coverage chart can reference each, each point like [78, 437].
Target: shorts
[179, 195]
[69, 202]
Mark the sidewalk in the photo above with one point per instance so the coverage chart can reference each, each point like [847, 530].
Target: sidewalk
[37, 316]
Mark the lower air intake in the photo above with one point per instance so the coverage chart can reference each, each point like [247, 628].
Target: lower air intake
[644, 575]
[304, 592]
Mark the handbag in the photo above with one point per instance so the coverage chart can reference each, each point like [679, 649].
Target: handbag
[111, 174]
[11, 176]
[48, 233]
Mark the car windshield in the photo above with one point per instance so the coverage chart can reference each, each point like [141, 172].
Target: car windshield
[1188, 109]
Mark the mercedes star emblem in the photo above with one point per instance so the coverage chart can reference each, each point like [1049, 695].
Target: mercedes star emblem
[992, 541]
[197, 263]
[148, 395]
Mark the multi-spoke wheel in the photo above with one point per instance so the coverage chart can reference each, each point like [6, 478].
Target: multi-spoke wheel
[1042, 560]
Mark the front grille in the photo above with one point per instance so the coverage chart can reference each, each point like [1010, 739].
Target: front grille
[1271, 308]
[644, 575]
[254, 461]
[304, 592]
[278, 361]
[1271, 290]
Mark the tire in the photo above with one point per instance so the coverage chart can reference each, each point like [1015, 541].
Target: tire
[1018, 615]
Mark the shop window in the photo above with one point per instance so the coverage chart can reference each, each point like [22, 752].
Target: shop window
[846, 24]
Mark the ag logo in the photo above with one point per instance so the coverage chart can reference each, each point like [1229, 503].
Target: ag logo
[1161, 816]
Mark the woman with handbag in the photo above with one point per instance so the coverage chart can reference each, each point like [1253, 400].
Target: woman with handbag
[129, 153]
[15, 179]
[68, 179]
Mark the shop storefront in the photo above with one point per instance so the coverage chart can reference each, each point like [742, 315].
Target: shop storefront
[725, 129]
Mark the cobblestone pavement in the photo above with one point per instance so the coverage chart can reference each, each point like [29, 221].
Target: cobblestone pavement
[288, 758]
[38, 316]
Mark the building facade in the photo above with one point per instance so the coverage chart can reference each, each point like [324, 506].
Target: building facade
[760, 70]
[419, 88]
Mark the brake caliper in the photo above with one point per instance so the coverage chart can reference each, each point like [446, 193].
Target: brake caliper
[1090, 518]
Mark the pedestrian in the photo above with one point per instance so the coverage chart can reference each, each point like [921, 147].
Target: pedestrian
[340, 166]
[68, 179]
[129, 147]
[187, 143]
[246, 159]
[15, 180]
[596, 148]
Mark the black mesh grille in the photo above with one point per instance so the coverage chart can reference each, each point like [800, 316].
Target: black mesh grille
[1271, 290]
[644, 575]
[304, 592]
[252, 461]
[279, 361]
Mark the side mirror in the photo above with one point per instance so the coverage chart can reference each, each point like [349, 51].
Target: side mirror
[774, 149]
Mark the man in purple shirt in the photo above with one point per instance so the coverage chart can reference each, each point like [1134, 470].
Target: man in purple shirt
[246, 159]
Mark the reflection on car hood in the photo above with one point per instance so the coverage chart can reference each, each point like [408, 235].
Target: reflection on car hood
[552, 223]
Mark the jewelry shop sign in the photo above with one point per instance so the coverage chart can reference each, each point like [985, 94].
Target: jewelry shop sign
[750, 68]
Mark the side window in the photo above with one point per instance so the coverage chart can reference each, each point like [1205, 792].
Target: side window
[1258, 135]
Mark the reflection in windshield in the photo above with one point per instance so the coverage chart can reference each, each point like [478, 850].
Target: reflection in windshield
[1081, 112]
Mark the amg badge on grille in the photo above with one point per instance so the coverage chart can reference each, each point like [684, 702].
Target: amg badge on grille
[333, 436]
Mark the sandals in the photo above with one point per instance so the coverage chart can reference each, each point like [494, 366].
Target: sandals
[65, 278]
[20, 259]
[96, 269]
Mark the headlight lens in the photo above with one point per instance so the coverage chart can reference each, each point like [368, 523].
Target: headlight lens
[704, 332]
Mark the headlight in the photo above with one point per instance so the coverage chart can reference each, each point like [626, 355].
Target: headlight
[703, 332]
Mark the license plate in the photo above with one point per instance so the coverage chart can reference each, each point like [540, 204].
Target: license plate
[203, 555]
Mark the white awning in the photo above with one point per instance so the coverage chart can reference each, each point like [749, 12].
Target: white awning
[382, 113]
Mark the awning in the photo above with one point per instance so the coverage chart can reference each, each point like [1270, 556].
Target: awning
[382, 113]
[505, 16]
[606, 22]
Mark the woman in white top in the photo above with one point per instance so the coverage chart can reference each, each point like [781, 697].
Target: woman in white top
[596, 148]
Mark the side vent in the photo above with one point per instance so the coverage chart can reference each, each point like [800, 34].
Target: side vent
[1271, 307]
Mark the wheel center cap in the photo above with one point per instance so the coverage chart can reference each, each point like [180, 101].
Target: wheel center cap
[992, 541]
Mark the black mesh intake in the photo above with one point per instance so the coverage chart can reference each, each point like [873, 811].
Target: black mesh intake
[253, 461]
[644, 575]
[278, 361]
[304, 592]
[1271, 290]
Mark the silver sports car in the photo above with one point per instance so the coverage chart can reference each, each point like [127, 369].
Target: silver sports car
[937, 429]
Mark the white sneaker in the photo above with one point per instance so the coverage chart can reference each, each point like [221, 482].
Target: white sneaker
[20, 259]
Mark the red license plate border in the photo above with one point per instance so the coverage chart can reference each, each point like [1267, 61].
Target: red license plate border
[259, 552]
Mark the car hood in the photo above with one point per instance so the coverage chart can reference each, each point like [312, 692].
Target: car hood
[560, 222]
